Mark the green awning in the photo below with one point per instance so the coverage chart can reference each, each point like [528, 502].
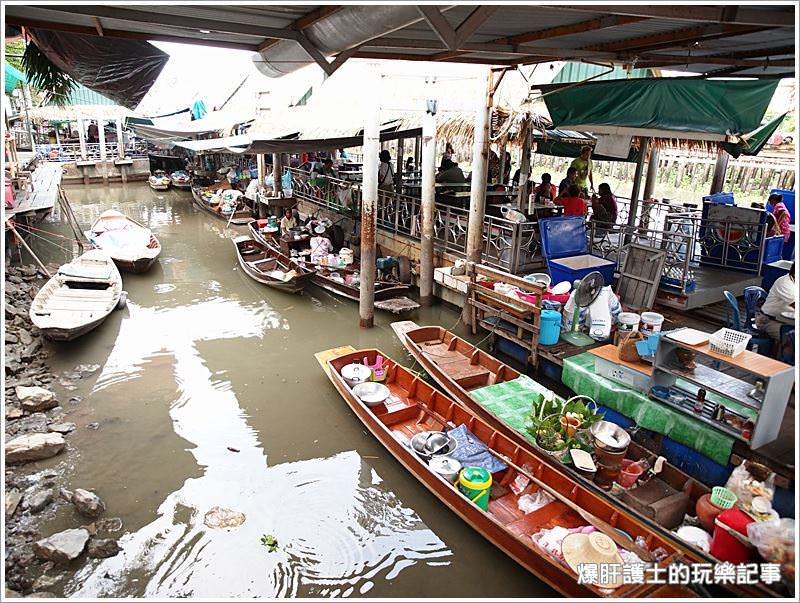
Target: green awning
[13, 77]
[693, 108]
[752, 143]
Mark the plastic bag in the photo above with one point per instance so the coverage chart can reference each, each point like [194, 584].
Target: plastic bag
[569, 312]
[600, 315]
[528, 503]
[749, 480]
[775, 542]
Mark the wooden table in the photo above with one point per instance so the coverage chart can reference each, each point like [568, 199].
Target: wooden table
[287, 244]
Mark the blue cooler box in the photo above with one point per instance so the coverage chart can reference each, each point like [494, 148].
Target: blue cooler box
[566, 249]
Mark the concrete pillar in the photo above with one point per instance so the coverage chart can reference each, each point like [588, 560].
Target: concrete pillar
[82, 138]
[718, 180]
[652, 172]
[480, 167]
[120, 139]
[417, 151]
[637, 183]
[524, 172]
[277, 173]
[101, 139]
[428, 204]
[369, 200]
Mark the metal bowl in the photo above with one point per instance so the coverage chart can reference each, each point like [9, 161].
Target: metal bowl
[419, 444]
[609, 436]
[371, 394]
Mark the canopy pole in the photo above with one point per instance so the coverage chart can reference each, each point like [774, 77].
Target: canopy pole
[428, 201]
[480, 167]
[82, 138]
[524, 171]
[369, 201]
[120, 139]
[261, 173]
[101, 139]
[652, 172]
[637, 183]
[398, 174]
[718, 181]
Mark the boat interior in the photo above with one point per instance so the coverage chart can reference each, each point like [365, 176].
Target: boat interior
[86, 287]
[263, 259]
[470, 367]
[414, 406]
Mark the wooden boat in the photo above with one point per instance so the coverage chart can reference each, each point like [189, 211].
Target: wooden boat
[132, 246]
[414, 406]
[269, 266]
[159, 181]
[181, 179]
[240, 216]
[78, 297]
[264, 238]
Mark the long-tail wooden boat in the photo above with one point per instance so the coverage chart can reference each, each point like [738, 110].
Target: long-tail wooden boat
[159, 181]
[269, 266]
[257, 235]
[78, 297]
[345, 282]
[240, 216]
[132, 246]
[461, 368]
[414, 406]
[181, 179]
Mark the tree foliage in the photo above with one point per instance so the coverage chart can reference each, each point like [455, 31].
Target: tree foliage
[46, 76]
[14, 52]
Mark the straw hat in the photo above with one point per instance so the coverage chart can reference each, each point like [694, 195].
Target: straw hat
[595, 548]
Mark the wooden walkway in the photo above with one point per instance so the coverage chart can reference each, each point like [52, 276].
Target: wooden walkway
[46, 179]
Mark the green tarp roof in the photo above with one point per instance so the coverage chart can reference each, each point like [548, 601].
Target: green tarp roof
[13, 77]
[682, 107]
[753, 142]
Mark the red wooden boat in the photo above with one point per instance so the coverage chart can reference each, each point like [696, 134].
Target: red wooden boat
[414, 406]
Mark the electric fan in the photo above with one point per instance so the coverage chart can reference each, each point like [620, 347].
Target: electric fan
[586, 291]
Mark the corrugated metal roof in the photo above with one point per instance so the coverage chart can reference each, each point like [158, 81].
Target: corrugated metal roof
[578, 72]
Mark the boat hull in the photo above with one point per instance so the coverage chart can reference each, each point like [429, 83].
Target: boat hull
[295, 285]
[134, 261]
[136, 266]
[240, 217]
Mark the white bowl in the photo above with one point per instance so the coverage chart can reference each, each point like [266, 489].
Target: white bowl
[696, 536]
[371, 394]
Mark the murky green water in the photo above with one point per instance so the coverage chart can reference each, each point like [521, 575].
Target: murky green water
[204, 360]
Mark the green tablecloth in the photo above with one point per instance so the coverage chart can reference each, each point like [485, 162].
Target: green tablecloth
[511, 401]
[578, 374]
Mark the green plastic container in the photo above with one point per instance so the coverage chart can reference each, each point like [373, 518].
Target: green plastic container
[474, 483]
[722, 497]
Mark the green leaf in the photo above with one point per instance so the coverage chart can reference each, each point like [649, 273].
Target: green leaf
[45, 75]
[269, 541]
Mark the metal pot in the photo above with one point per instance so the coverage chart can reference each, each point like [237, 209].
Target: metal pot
[445, 466]
[355, 373]
[609, 436]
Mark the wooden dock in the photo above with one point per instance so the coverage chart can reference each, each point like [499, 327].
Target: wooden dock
[36, 204]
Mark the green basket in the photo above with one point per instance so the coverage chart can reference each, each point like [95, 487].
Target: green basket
[722, 497]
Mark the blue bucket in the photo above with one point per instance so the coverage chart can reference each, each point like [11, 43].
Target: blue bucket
[549, 327]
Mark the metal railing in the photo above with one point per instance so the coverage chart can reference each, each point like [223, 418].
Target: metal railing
[508, 245]
[71, 151]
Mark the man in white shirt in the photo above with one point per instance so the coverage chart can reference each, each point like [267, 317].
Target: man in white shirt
[782, 298]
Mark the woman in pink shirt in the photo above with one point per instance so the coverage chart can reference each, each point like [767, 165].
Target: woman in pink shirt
[782, 216]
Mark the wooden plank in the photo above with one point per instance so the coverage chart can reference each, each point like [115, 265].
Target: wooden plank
[747, 360]
[325, 355]
[610, 353]
[401, 327]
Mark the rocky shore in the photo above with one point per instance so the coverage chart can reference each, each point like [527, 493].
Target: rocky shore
[37, 428]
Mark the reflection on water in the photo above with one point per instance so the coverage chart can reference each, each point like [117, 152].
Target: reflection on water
[209, 395]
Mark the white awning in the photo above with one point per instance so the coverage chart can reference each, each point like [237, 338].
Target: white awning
[218, 145]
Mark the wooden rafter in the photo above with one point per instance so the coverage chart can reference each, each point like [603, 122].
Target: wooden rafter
[665, 60]
[98, 26]
[676, 37]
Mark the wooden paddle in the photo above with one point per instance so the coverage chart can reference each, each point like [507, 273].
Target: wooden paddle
[598, 523]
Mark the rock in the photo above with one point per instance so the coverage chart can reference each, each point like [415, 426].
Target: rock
[11, 338]
[100, 548]
[29, 270]
[13, 412]
[91, 528]
[88, 503]
[25, 338]
[36, 399]
[15, 279]
[12, 312]
[42, 583]
[94, 425]
[108, 525]
[26, 559]
[87, 369]
[72, 376]
[75, 400]
[37, 501]
[62, 427]
[12, 501]
[61, 547]
[65, 494]
[11, 594]
[35, 423]
[30, 351]
[44, 594]
[34, 447]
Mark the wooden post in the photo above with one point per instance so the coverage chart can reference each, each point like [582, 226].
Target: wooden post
[503, 164]
[524, 171]
[277, 174]
[82, 138]
[262, 173]
[369, 200]
[480, 166]
[428, 203]
[398, 177]
[637, 182]
[101, 139]
[652, 172]
[120, 139]
[718, 179]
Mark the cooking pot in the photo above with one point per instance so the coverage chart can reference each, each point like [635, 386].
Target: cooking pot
[609, 436]
[355, 373]
[445, 466]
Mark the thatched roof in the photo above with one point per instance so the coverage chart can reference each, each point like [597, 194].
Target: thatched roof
[53, 113]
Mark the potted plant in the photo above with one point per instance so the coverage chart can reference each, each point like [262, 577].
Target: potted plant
[550, 437]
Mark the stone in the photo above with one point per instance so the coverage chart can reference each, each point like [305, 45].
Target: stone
[87, 369]
[11, 338]
[12, 412]
[44, 582]
[44, 594]
[34, 447]
[94, 425]
[109, 525]
[30, 351]
[15, 279]
[12, 501]
[25, 338]
[62, 427]
[12, 312]
[29, 270]
[65, 494]
[100, 548]
[37, 501]
[35, 423]
[36, 399]
[87, 503]
[61, 547]
[75, 400]
[12, 594]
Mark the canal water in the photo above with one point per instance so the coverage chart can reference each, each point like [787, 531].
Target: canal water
[208, 394]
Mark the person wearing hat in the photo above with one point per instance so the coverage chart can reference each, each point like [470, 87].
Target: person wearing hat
[320, 244]
[595, 551]
[583, 165]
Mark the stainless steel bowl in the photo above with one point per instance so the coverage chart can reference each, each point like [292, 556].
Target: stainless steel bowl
[609, 436]
[371, 394]
[420, 445]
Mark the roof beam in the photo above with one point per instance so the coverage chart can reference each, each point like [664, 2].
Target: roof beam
[181, 21]
[470, 25]
[128, 35]
[98, 26]
[302, 23]
[555, 32]
[656, 60]
[440, 26]
[676, 37]
[510, 49]
[704, 13]
[760, 52]
[423, 57]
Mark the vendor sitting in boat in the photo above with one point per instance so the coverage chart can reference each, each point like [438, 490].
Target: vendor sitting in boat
[321, 246]
[287, 221]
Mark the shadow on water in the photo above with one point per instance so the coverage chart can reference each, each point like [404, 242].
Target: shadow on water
[209, 395]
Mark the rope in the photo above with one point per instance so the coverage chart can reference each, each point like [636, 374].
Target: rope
[46, 240]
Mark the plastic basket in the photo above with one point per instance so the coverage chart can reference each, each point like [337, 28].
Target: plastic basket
[728, 342]
[722, 497]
